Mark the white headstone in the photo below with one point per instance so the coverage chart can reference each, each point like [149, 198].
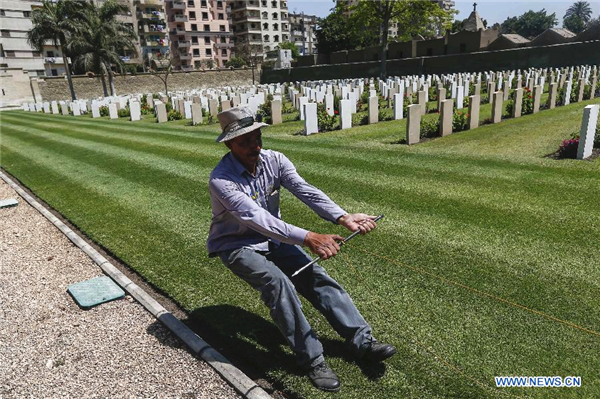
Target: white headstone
[76, 109]
[588, 131]
[54, 106]
[460, 95]
[112, 111]
[187, 109]
[310, 119]
[329, 104]
[302, 101]
[398, 106]
[46, 106]
[134, 111]
[95, 110]
[345, 114]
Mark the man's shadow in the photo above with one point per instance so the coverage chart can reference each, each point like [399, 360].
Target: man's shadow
[255, 345]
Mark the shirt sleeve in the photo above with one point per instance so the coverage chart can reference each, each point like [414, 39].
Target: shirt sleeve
[251, 215]
[314, 198]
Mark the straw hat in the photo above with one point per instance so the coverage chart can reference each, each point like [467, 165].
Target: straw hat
[236, 122]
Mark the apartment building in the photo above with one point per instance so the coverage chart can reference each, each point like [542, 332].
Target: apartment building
[262, 24]
[15, 52]
[303, 32]
[149, 20]
[200, 33]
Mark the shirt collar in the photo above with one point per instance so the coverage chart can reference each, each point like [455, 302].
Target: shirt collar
[240, 169]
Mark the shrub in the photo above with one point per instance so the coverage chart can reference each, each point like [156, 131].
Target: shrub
[433, 93]
[287, 108]
[169, 107]
[264, 113]
[124, 112]
[386, 114]
[144, 100]
[597, 137]
[336, 103]
[104, 111]
[174, 115]
[526, 104]
[460, 121]
[360, 118]
[568, 148]
[430, 128]
[326, 122]
[146, 110]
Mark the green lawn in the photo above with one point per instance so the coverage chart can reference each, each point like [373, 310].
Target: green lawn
[486, 259]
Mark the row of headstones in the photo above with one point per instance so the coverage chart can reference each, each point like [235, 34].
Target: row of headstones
[459, 86]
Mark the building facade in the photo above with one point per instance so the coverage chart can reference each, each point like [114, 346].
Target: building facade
[260, 24]
[303, 32]
[200, 33]
[149, 19]
[15, 52]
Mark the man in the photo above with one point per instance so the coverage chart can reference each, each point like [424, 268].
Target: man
[247, 233]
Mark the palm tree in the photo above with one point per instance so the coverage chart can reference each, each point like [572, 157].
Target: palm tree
[56, 21]
[101, 39]
[581, 10]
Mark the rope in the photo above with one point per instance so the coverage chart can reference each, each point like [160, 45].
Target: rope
[446, 363]
[485, 294]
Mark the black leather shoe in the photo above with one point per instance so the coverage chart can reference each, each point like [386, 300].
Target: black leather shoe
[324, 378]
[378, 352]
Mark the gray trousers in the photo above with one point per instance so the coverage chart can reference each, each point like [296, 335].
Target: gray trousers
[269, 273]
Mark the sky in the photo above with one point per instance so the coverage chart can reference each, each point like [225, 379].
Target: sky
[492, 11]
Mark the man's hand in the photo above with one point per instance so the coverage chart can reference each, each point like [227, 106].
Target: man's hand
[324, 245]
[358, 221]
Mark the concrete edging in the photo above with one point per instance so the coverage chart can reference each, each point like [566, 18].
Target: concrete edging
[235, 377]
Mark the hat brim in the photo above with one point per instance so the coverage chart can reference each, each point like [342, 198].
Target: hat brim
[226, 136]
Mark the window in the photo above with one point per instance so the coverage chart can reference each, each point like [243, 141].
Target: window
[265, 26]
[196, 52]
[265, 15]
[2, 13]
[9, 54]
[194, 40]
[276, 38]
[26, 14]
[285, 38]
[5, 33]
[274, 4]
[275, 15]
[190, 3]
[264, 3]
[203, 4]
[275, 26]
[222, 28]
[223, 40]
[194, 27]
[208, 52]
[221, 16]
[54, 72]
[50, 53]
[219, 5]
[206, 40]
[266, 39]
[206, 28]
[223, 53]
[192, 16]
[197, 64]
[205, 16]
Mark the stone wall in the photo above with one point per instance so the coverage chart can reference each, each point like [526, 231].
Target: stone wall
[15, 86]
[57, 88]
[560, 55]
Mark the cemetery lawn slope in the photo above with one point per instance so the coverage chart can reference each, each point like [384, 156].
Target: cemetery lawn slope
[486, 263]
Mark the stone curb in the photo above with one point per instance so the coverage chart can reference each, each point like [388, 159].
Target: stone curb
[235, 377]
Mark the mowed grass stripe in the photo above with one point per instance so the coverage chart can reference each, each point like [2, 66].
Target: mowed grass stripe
[195, 167]
[133, 186]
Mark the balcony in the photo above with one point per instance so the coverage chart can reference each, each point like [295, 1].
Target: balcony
[185, 56]
[151, 15]
[184, 43]
[246, 5]
[224, 45]
[179, 18]
[178, 5]
[149, 2]
[178, 31]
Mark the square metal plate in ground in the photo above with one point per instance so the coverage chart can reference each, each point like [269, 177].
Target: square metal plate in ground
[8, 203]
[95, 291]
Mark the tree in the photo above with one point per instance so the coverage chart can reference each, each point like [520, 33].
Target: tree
[56, 21]
[161, 66]
[581, 10]
[338, 32]
[235, 62]
[290, 46]
[101, 39]
[530, 24]
[412, 17]
[250, 53]
[577, 16]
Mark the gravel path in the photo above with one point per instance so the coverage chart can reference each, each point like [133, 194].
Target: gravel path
[49, 347]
